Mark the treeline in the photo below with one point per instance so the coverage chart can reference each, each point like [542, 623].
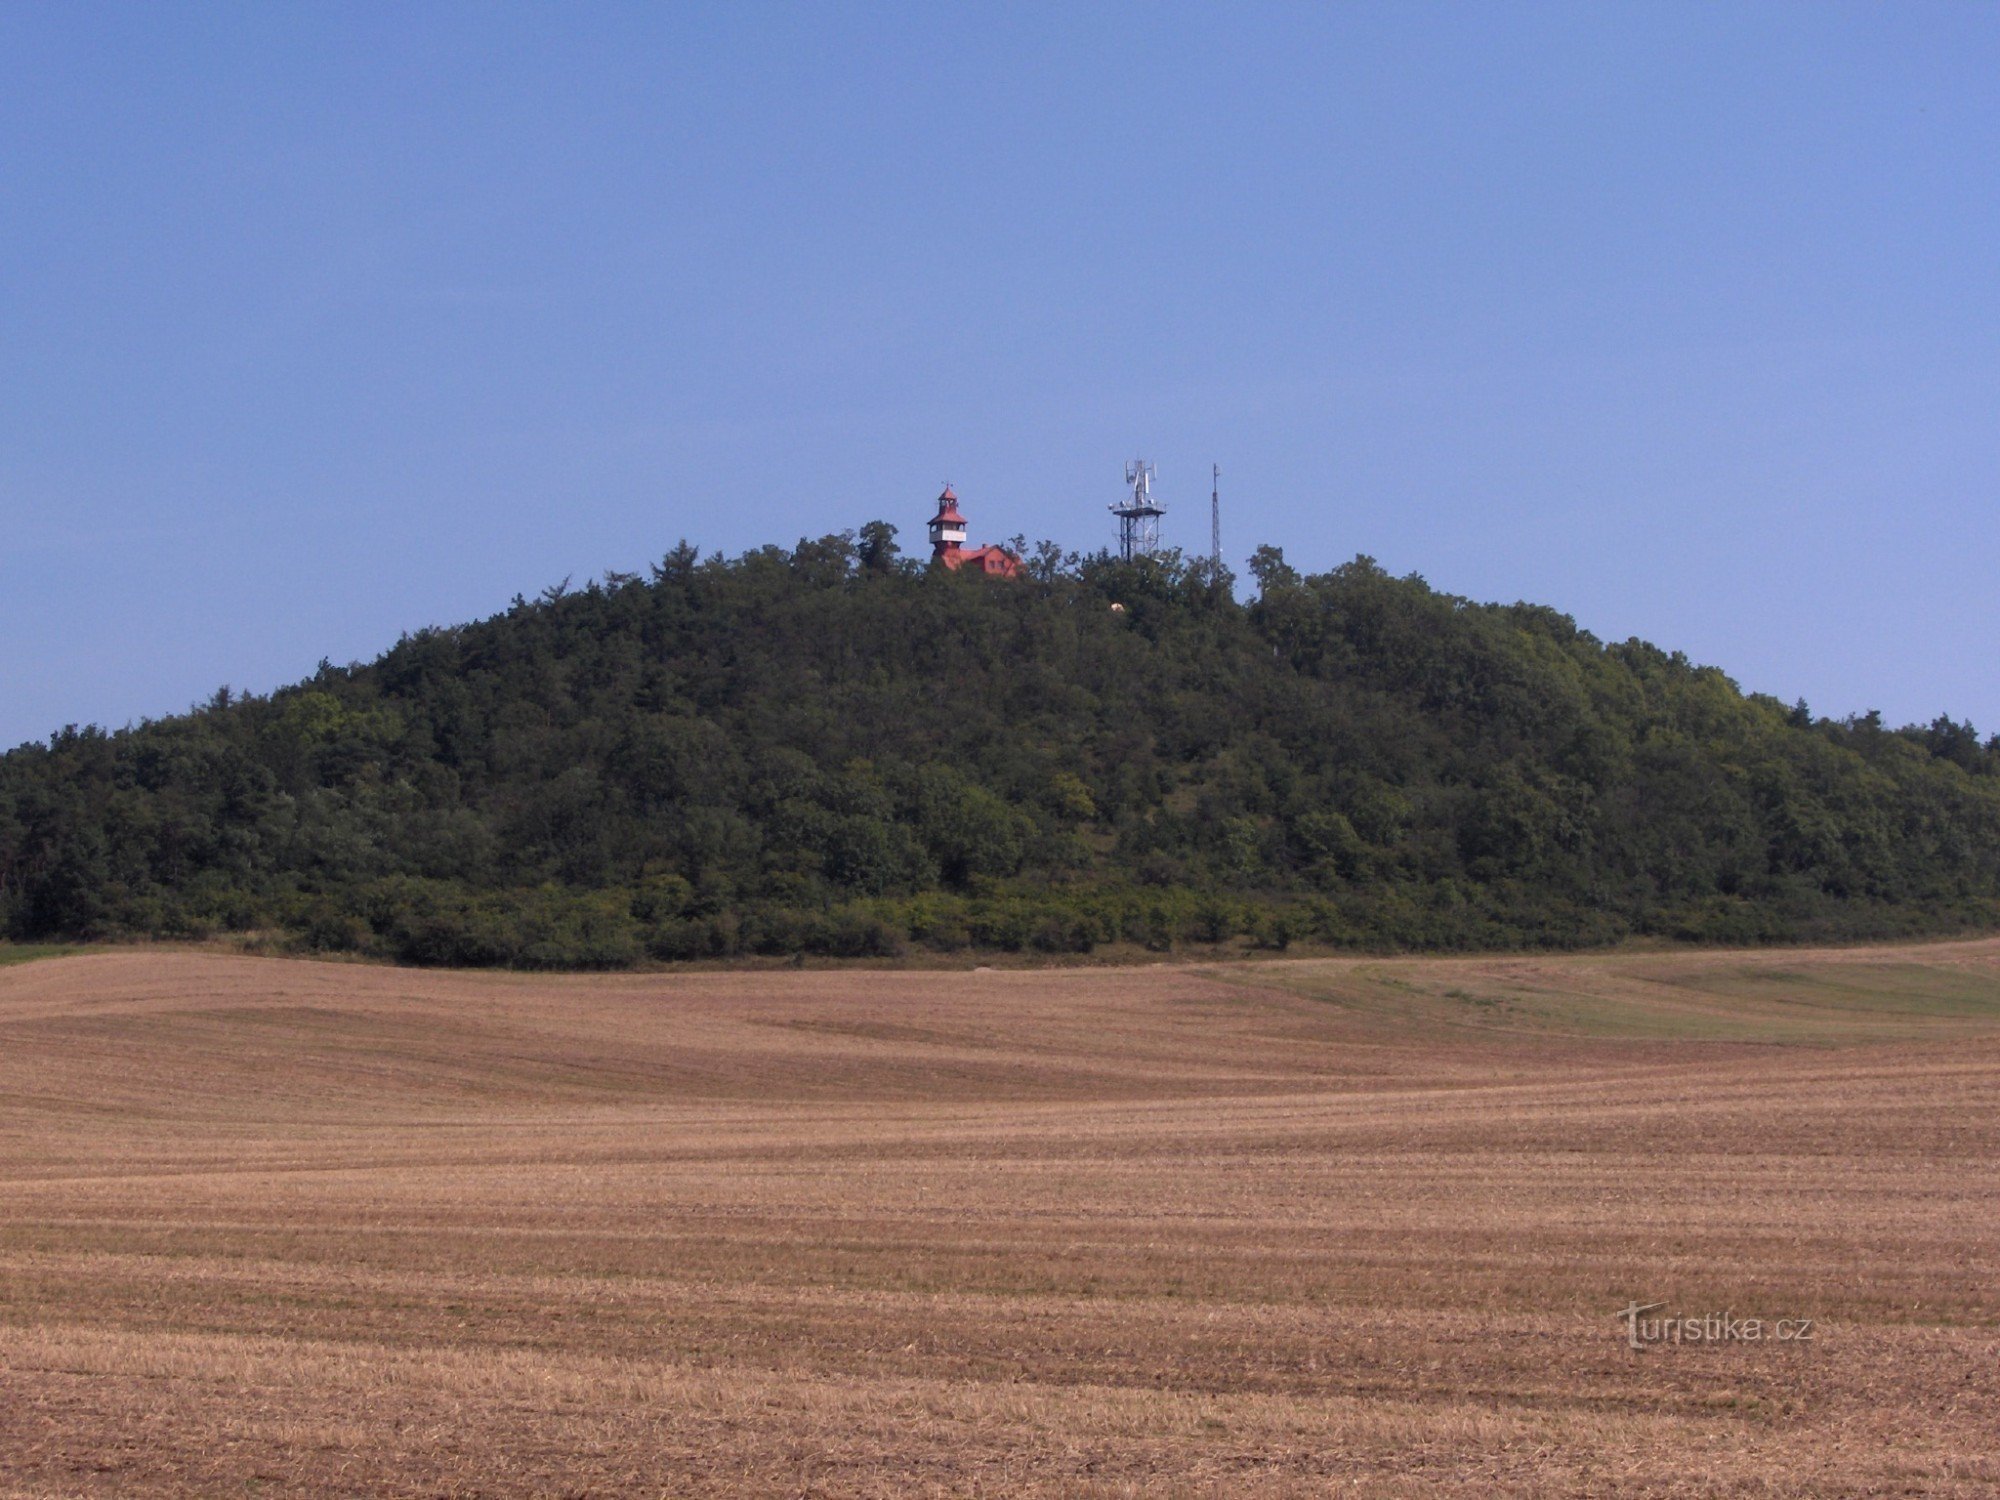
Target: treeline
[834, 750]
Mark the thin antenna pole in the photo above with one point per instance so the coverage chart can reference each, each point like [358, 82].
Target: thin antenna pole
[1215, 521]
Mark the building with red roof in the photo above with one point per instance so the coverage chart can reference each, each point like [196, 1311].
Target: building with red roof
[948, 547]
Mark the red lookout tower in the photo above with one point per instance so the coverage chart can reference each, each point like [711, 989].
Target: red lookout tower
[948, 544]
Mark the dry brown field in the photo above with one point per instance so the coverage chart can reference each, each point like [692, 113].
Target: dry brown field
[1353, 1227]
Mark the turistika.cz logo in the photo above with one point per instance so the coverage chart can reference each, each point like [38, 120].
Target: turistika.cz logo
[1642, 1332]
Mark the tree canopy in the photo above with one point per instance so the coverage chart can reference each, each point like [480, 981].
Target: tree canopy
[832, 749]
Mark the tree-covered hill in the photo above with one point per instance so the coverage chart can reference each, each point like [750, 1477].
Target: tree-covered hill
[835, 750]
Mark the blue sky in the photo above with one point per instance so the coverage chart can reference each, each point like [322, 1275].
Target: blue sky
[321, 323]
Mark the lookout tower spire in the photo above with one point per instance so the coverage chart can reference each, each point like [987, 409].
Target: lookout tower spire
[947, 530]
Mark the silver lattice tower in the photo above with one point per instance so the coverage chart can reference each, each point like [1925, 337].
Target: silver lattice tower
[1138, 514]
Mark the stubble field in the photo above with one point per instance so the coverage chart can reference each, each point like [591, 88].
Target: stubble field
[1352, 1227]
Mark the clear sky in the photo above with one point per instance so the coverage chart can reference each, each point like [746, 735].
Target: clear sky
[323, 322]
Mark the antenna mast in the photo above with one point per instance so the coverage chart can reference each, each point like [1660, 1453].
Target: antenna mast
[1215, 520]
[1139, 514]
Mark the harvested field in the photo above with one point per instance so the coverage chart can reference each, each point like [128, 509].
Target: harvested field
[1353, 1227]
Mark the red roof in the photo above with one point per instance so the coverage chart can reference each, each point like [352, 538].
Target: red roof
[996, 561]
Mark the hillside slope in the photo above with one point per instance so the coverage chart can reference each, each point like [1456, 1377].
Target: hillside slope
[829, 749]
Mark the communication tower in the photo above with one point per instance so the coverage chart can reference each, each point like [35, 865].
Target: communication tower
[1138, 514]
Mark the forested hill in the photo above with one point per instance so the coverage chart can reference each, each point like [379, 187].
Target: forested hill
[835, 750]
